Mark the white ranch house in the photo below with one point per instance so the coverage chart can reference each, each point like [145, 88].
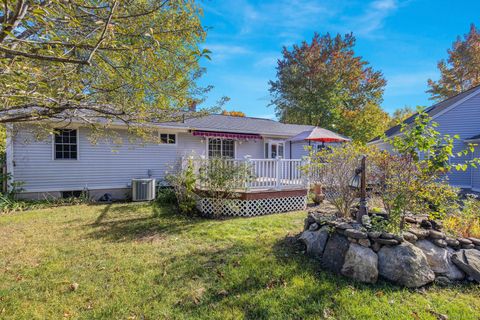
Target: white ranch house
[457, 115]
[67, 163]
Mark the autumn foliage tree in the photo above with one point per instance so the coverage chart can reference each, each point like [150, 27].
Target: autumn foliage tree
[323, 83]
[461, 71]
[117, 60]
[233, 113]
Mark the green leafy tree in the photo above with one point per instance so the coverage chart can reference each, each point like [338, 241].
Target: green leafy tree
[122, 60]
[402, 114]
[461, 71]
[364, 124]
[323, 82]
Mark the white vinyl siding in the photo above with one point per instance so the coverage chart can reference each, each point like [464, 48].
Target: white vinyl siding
[105, 164]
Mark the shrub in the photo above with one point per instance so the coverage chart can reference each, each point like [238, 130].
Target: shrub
[222, 179]
[166, 196]
[183, 182]
[414, 178]
[334, 170]
[465, 222]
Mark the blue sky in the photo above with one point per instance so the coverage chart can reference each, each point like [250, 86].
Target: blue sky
[402, 38]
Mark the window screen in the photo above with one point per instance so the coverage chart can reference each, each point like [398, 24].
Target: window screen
[224, 148]
[66, 146]
[168, 138]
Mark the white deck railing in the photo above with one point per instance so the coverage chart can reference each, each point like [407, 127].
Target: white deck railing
[263, 173]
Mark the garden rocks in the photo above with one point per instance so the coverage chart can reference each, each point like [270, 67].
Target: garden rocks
[437, 257]
[388, 242]
[420, 233]
[335, 251]
[434, 234]
[452, 243]
[475, 241]
[314, 227]
[404, 264]
[439, 260]
[360, 264]
[315, 241]
[453, 273]
[355, 234]
[412, 259]
[440, 242]
[410, 237]
[469, 262]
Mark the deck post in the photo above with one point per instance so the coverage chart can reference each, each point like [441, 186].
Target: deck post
[278, 172]
[248, 162]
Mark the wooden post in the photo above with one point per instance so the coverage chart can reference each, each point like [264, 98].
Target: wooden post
[363, 191]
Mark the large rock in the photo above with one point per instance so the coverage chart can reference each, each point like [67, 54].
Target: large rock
[437, 257]
[453, 273]
[439, 260]
[334, 253]
[468, 260]
[315, 241]
[361, 264]
[405, 264]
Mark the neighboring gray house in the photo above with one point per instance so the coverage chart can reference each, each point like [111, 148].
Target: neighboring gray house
[457, 115]
[69, 162]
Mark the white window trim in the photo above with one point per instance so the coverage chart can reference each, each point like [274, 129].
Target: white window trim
[207, 140]
[168, 144]
[277, 142]
[78, 146]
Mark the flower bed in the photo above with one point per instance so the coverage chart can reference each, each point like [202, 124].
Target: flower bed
[421, 255]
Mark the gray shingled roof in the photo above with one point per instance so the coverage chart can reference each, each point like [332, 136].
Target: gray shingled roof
[223, 123]
[431, 111]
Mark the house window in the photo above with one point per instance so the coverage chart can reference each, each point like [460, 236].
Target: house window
[168, 138]
[274, 149]
[65, 144]
[221, 148]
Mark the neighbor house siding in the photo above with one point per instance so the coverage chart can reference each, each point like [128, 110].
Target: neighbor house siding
[476, 172]
[463, 120]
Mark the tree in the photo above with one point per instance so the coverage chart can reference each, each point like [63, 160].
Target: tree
[364, 124]
[461, 71]
[122, 60]
[318, 83]
[233, 113]
[402, 114]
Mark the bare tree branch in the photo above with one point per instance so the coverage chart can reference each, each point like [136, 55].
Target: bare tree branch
[102, 36]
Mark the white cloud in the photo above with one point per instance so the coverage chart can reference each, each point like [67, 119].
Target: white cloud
[373, 17]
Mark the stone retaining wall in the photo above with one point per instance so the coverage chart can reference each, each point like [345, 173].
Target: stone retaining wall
[419, 256]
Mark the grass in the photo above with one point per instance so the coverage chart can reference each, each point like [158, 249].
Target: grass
[141, 262]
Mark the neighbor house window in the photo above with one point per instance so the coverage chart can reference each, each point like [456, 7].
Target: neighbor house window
[168, 138]
[66, 144]
[221, 148]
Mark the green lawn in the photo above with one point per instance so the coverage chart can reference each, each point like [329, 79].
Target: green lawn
[137, 262]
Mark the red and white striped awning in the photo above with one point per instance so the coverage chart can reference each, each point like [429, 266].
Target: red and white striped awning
[226, 135]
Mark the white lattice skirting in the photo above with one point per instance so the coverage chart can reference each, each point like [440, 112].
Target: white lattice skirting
[250, 208]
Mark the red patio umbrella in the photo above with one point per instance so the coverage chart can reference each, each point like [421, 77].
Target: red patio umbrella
[320, 135]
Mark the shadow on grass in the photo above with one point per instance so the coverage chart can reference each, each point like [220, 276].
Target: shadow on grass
[126, 223]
